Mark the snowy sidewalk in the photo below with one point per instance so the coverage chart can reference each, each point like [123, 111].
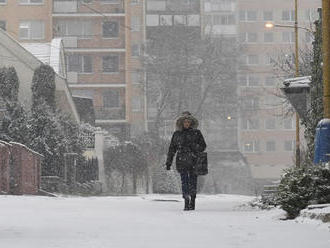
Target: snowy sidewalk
[151, 221]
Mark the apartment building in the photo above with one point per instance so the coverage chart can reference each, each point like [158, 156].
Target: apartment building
[169, 18]
[103, 41]
[266, 132]
[219, 21]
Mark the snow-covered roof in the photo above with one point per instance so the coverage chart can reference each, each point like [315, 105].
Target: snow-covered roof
[82, 96]
[296, 82]
[48, 53]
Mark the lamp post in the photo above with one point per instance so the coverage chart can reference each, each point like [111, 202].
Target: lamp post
[295, 26]
[297, 75]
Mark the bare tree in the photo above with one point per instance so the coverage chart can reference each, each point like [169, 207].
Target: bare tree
[188, 71]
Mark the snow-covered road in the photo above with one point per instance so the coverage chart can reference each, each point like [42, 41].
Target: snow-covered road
[149, 222]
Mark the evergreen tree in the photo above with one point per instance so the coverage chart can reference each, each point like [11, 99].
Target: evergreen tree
[15, 123]
[9, 84]
[315, 113]
[43, 87]
[47, 138]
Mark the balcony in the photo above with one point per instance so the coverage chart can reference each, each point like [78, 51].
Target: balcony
[87, 7]
[105, 113]
[221, 29]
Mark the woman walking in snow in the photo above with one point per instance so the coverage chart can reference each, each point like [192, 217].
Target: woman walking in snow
[187, 141]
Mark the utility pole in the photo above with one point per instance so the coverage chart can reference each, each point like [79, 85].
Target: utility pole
[322, 136]
[297, 75]
[326, 56]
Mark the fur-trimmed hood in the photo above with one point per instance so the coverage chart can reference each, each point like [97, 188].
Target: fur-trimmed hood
[184, 116]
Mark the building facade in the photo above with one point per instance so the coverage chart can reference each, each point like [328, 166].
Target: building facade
[103, 41]
[266, 130]
[168, 23]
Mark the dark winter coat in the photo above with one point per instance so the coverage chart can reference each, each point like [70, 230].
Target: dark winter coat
[185, 143]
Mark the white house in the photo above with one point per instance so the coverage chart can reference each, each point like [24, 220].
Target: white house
[26, 58]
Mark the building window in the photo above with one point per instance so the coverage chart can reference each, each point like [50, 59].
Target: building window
[31, 1]
[251, 59]
[270, 123]
[135, 50]
[180, 20]
[248, 15]
[268, 15]
[270, 146]
[111, 99]
[253, 80]
[251, 146]
[249, 37]
[269, 81]
[135, 23]
[154, 5]
[249, 80]
[3, 2]
[251, 15]
[250, 124]
[288, 123]
[268, 59]
[193, 20]
[223, 20]
[110, 29]
[136, 103]
[134, 1]
[166, 20]
[289, 145]
[3, 25]
[288, 15]
[242, 80]
[110, 1]
[74, 28]
[136, 77]
[269, 37]
[250, 103]
[152, 20]
[30, 30]
[110, 63]
[288, 37]
[80, 63]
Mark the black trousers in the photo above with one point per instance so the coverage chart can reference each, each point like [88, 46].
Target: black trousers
[189, 183]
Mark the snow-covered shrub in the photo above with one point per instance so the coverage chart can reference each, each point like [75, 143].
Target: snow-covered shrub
[294, 191]
[321, 179]
[165, 182]
[301, 186]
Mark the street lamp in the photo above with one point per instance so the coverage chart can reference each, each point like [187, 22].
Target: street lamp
[295, 26]
[272, 25]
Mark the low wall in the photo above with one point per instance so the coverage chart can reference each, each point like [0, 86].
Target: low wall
[20, 169]
[4, 167]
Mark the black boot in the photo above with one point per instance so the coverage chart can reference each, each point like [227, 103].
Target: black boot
[192, 203]
[186, 203]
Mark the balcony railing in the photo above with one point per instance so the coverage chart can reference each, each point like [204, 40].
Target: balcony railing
[65, 6]
[74, 6]
[104, 113]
